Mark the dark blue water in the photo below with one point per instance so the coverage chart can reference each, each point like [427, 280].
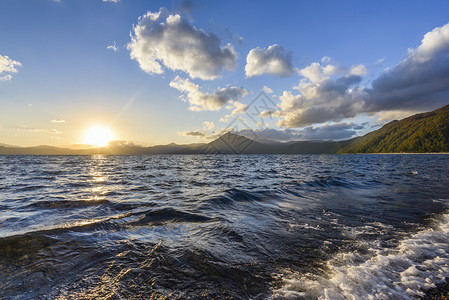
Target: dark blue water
[223, 226]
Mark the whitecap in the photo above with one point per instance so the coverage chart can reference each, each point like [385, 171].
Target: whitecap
[416, 264]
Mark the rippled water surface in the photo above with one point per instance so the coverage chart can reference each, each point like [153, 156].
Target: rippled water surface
[223, 226]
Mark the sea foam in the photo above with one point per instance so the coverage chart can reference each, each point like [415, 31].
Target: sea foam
[416, 264]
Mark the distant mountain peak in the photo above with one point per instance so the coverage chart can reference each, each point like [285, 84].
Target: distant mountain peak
[231, 143]
[425, 132]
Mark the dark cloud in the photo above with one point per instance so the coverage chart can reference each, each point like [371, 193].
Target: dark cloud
[418, 83]
[196, 133]
[320, 102]
[336, 131]
[412, 84]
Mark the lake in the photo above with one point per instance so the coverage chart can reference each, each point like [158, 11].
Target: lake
[223, 226]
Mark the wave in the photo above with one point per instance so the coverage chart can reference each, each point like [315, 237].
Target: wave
[28, 188]
[109, 223]
[19, 245]
[234, 197]
[47, 204]
[164, 215]
[418, 263]
[329, 181]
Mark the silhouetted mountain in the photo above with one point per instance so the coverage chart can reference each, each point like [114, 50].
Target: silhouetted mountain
[231, 143]
[426, 132]
[38, 150]
[8, 146]
[308, 147]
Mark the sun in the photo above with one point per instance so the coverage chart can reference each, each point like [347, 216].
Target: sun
[98, 136]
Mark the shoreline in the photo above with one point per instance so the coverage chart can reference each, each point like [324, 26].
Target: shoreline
[149, 154]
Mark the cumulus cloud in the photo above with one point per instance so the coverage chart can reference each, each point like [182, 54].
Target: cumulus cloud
[238, 108]
[196, 133]
[266, 113]
[317, 72]
[267, 90]
[273, 61]
[204, 101]
[419, 82]
[358, 70]
[319, 101]
[168, 40]
[225, 118]
[8, 65]
[208, 125]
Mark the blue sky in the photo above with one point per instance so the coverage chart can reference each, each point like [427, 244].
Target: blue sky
[335, 68]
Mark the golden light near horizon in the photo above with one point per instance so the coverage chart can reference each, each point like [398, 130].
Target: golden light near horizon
[98, 136]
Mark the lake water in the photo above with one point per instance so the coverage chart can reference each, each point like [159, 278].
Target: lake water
[223, 226]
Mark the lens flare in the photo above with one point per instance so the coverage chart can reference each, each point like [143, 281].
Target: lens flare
[98, 136]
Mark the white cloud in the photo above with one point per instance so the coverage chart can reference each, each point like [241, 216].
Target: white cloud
[380, 61]
[273, 61]
[167, 40]
[266, 113]
[112, 47]
[225, 118]
[316, 72]
[8, 65]
[267, 90]
[313, 72]
[358, 70]
[218, 133]
[330, 70]
[239, 108]
[114, 1]
[433, 44]
[418, 83]
[326, 59]
[320, 98]
[6, 77]
[393, 115]
[204, 101]
[208, 125]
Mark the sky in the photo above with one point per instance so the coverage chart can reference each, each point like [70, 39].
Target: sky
[156, 72]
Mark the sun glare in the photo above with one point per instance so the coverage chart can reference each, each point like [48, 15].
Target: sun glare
[98, 136]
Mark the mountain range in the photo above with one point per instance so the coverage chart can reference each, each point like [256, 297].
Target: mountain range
[420, 133]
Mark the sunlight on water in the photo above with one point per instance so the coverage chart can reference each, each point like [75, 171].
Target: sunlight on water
[256, 226]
